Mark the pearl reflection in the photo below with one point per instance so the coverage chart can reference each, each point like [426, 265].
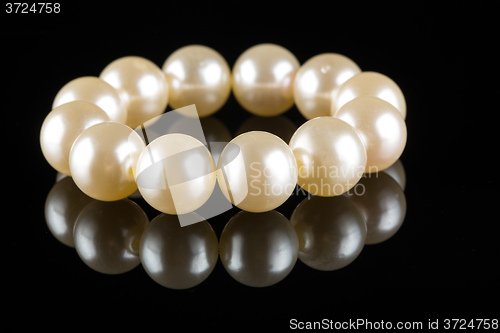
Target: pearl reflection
[178, 257]
[379, 200]
[106, 235]
[383, 205]
[258, 249]
[331, 232]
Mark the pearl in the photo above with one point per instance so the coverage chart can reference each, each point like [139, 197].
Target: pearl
[383, 205]
[96, 91]
[318, 80]
[176, 174]
[370, 84]
[107, 235]
[62, 126]
[63, 204]
[380, 126]
[257, 171]
[331, 232]
[198, 75]
[178, 257]
[258, 249]
[143, 87]
[263, 79]
[102, 161]
[330, 156]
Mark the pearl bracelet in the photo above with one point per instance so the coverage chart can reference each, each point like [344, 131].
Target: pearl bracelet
[98, 130]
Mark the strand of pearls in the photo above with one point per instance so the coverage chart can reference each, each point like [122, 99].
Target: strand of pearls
[355, 125]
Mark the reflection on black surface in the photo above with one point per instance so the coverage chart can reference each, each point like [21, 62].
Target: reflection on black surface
[331, 232]
[256, 249]
[107, 235]
[178, 257]
[382, 204]
[64, 203]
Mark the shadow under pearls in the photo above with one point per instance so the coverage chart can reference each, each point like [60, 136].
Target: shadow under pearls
[256, 249]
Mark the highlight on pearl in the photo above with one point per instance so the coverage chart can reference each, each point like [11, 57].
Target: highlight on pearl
[176, 173]
[263, 79]
[318, 80]
[62, 126]
[198, 75]
[331, 157]
[94, 90]
[142, 86]
[257, 171]
[380, 126]
[370, 84]
[102, 161]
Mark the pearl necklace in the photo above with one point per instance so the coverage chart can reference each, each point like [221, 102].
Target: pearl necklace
[355, 125]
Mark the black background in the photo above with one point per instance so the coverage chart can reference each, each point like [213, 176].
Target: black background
[442, 263]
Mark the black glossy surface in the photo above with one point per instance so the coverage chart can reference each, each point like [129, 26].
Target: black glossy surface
[442, 262]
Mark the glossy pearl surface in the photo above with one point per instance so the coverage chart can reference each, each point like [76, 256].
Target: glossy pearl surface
[331, 232]
[330, 155]
[383, 205]
[380, 126]
[370, 84]
[318, 80]
[102, 161]
[178, 257]
[63, 204]
[62, 126]
[257, 171]
[107, 235]
[142, 85]
[263, 79]
[198, 75]
[176, 174]
[258, 249]
[94, 90]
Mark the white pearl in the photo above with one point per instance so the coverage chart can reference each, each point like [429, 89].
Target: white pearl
[94, 90]
[257, 171]
[198, 75]
[263, 79]
[380, 126]
[330, 155]
[102, 161]
[318, 80]
[176, 174]
[370, 84]
[143, 87]
[62, 126]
